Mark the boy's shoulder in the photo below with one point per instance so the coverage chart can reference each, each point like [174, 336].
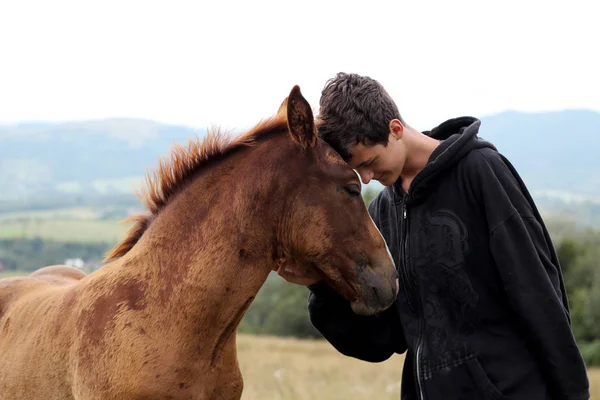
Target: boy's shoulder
[482, 157]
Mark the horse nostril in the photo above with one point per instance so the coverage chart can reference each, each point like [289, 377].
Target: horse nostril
[376, 294]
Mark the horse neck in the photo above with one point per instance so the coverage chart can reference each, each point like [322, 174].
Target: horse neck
[210, 250]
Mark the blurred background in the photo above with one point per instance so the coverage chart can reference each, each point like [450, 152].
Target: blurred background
[92, 93]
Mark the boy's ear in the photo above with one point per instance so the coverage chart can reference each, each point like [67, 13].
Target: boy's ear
[396, 128]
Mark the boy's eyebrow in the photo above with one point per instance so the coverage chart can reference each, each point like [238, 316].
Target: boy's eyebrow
[367, 162]
[362, 164]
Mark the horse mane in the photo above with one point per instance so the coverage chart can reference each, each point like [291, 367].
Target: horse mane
[175, 172]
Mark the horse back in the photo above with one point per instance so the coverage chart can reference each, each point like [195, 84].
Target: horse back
[35, 332]
[13, 288]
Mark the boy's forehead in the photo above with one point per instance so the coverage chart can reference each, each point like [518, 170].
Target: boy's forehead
[363, 153]
[359, 152]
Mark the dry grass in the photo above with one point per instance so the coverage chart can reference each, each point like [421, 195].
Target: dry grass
[288, 369]
[594, 374]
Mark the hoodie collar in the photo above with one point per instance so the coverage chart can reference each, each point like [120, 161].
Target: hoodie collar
[458, 137]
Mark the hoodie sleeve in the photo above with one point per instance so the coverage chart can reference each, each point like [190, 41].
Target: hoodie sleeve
[372, 338]
[531, 275]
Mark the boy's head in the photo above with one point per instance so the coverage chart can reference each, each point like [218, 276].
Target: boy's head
[359, 119]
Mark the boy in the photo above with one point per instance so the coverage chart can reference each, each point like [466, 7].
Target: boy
[482, 311]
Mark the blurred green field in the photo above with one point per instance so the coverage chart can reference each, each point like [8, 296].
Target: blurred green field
[7, 274]
[64, 230]
[81, 224]
[64, 213]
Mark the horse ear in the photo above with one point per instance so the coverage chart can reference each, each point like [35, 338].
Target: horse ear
[300, 119]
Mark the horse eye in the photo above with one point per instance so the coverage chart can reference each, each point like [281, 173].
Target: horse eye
[353, 190]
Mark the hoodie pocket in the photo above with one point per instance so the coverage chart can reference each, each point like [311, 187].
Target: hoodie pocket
[482, 380]
[465, 381]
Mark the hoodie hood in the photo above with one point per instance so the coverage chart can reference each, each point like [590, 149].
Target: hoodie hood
[458, 137]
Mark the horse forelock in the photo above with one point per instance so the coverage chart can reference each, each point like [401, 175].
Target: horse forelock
[175, 171]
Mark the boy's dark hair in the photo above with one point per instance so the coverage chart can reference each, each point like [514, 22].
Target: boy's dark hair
[355, 109]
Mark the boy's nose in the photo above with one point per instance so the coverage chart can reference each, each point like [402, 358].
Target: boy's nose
[365, 176]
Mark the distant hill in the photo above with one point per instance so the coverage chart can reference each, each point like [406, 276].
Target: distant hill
[103, 157]
[554, 151]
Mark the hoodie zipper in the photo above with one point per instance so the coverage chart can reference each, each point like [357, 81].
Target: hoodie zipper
[405, 231]
[401, 240]
[404, 263]
[405, 228]
[418, 372]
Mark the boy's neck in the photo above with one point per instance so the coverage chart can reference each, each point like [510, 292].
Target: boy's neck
[419, 150]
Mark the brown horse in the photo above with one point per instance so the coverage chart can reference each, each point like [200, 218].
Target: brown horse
[159, 320]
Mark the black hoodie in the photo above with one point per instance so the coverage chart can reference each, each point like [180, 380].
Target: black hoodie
[482, 308]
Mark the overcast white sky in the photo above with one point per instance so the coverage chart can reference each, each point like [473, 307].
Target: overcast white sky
[231, 63]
